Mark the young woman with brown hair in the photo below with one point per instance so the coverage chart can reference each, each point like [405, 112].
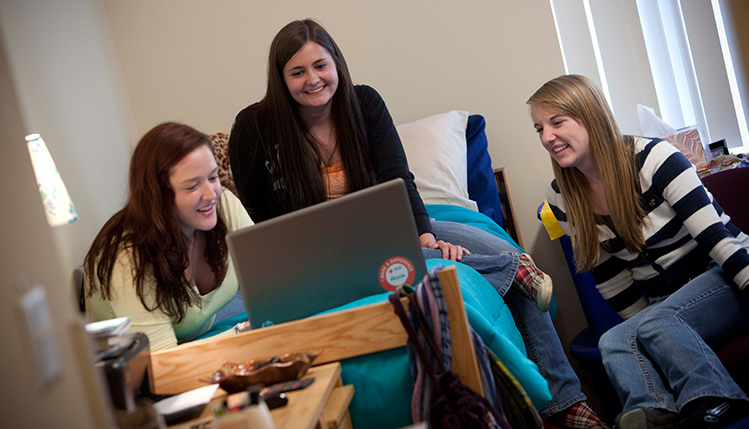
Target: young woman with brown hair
[163, 260]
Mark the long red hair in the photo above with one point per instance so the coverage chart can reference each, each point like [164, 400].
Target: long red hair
[148, 229]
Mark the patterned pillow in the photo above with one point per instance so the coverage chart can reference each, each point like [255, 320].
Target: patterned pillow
[221, 152]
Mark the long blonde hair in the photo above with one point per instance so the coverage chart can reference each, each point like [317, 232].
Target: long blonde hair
[579, 98]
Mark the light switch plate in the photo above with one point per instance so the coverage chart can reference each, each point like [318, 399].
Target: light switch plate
[40, 332]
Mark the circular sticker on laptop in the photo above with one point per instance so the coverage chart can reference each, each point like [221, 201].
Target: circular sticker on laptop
[395, 272]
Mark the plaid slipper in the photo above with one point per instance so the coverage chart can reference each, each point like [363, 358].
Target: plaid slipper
[578, 416]
[533, 283]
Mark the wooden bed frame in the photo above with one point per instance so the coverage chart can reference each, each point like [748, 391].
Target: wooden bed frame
[341, 335]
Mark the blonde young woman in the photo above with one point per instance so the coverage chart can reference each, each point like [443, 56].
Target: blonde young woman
[663, 255]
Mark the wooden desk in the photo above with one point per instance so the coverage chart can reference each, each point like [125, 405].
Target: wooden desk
[341, 335]
[323, 404]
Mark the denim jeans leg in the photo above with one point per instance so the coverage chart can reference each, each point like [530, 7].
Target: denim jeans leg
[489, 255]
[494, 258]
[636, 379]
[678, 331]
[545, 349]
[661, 357]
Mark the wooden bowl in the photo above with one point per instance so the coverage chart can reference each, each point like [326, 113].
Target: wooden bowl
[237, 377]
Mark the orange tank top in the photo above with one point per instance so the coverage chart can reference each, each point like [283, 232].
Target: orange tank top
[335, 181]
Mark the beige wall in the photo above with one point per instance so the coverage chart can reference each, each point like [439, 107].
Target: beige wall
[70, 89]
[201, 62]
[58, 77]
[28, 258]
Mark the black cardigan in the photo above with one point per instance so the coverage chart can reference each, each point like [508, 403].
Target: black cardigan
[255, 185]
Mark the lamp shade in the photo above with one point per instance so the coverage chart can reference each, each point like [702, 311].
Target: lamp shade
[57, 204]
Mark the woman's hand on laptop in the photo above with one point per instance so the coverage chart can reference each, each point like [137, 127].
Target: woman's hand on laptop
[449, 251]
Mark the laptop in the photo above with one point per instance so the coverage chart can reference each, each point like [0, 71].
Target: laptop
[327, 255]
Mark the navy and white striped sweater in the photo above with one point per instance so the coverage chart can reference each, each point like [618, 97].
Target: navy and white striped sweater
[684, 230]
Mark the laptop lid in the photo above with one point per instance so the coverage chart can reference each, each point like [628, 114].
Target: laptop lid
[327, 255]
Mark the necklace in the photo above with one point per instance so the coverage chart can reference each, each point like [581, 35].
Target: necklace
[194, 285]
[327, 147]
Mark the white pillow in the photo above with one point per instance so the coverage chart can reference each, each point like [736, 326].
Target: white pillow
[436, 150]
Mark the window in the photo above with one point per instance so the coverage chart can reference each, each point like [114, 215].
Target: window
[671, 55]
[730, 49]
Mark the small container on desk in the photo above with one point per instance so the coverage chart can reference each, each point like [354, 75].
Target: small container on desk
[323, 404]
[244, 411]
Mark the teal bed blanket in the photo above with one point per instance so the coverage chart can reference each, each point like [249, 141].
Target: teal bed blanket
[383, 381]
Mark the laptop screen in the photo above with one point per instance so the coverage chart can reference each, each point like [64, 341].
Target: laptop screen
[327, 255]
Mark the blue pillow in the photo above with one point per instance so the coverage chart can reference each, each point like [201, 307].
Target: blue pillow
[482, 187]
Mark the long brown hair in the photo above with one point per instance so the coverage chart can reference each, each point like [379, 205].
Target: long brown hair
[579, 98]
[299, 157]
[148, 229]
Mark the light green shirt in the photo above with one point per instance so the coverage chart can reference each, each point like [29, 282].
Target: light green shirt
[161, 329]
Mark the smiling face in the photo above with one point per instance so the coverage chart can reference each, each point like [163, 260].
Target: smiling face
[196, 187]
[565, 138]
[311, 77]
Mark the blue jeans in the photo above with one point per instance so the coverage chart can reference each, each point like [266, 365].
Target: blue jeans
[497, 261]
[660, 358]
[494, 258]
